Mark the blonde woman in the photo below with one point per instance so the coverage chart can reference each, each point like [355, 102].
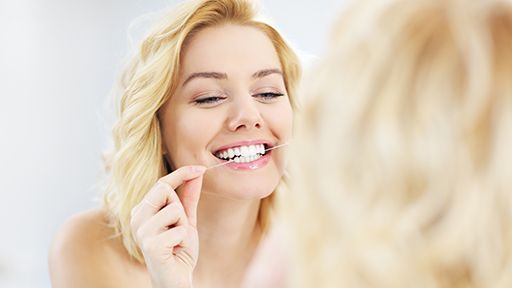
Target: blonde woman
[403, 175]
[210, 85]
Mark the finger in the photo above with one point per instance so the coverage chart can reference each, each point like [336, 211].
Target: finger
[184, 255]
[187, 249]
[183, 174]
[163, 193]
[170, 190]
[171, 215]
[165, 242]
[156, 198]
[169, 183]
[189, 194]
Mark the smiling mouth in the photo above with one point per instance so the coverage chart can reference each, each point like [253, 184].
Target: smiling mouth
[243, 153]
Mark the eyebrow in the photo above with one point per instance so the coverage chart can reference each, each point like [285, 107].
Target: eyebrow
[214, 75]
[266, 72]
[221, 76]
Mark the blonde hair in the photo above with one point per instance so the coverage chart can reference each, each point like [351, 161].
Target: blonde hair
[403, 152]
[136, 162]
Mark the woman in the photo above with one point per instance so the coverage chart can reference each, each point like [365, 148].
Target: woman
[404, 163]
[210, 85]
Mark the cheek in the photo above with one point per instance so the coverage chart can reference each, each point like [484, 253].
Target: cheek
[281, 125]
[188, 135]
[281, 121]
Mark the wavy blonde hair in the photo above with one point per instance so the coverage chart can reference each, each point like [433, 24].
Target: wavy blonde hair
[403, 171]
[136, 162]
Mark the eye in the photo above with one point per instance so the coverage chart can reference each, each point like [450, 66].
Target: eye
[268, 96]
[208, 100]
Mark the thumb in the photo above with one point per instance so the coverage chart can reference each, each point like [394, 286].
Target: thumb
[189, 194]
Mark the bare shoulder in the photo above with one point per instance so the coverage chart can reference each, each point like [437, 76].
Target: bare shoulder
[86, 253]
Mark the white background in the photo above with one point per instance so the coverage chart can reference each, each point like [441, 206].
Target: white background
[59, 60]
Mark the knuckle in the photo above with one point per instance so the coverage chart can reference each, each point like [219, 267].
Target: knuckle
[171, 211]
[177, 209]
[139, 235]
[180, 230]
[147, 246]
[133, 223]
[161, 180]
[162, 186]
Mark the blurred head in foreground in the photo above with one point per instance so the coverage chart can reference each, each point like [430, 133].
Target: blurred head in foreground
[403, 172]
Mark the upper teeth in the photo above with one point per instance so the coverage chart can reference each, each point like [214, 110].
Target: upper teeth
[244, 151]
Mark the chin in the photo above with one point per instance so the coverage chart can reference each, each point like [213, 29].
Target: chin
[243, 188]
[252, 192]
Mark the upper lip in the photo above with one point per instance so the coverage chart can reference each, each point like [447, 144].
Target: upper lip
[244, 143]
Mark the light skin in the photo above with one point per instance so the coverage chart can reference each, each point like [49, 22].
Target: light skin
[231, 92]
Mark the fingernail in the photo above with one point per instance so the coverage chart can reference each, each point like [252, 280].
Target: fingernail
[197, 169]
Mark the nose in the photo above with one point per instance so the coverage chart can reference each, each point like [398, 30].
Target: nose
[245, 115]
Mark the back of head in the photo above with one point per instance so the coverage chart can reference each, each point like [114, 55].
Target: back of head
[404, 161]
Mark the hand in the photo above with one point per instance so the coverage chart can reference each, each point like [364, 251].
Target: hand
[164, 226]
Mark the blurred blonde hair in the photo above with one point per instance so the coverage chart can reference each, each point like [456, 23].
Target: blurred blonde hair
[403, 171]
[136, 162]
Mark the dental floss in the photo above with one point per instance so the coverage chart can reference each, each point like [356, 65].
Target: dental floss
[232, 160]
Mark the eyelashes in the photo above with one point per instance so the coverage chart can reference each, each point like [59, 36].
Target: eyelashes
[268, 95]
[265, 97]
[208, 100]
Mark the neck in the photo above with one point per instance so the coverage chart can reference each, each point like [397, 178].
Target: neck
[229, 233]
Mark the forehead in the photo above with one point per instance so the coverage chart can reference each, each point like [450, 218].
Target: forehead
[230, 49]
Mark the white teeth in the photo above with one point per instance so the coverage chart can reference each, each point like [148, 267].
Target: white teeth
[243, 153]
[246, 159]
[252, 150]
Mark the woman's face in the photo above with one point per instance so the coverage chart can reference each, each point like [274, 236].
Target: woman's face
[231, 103]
